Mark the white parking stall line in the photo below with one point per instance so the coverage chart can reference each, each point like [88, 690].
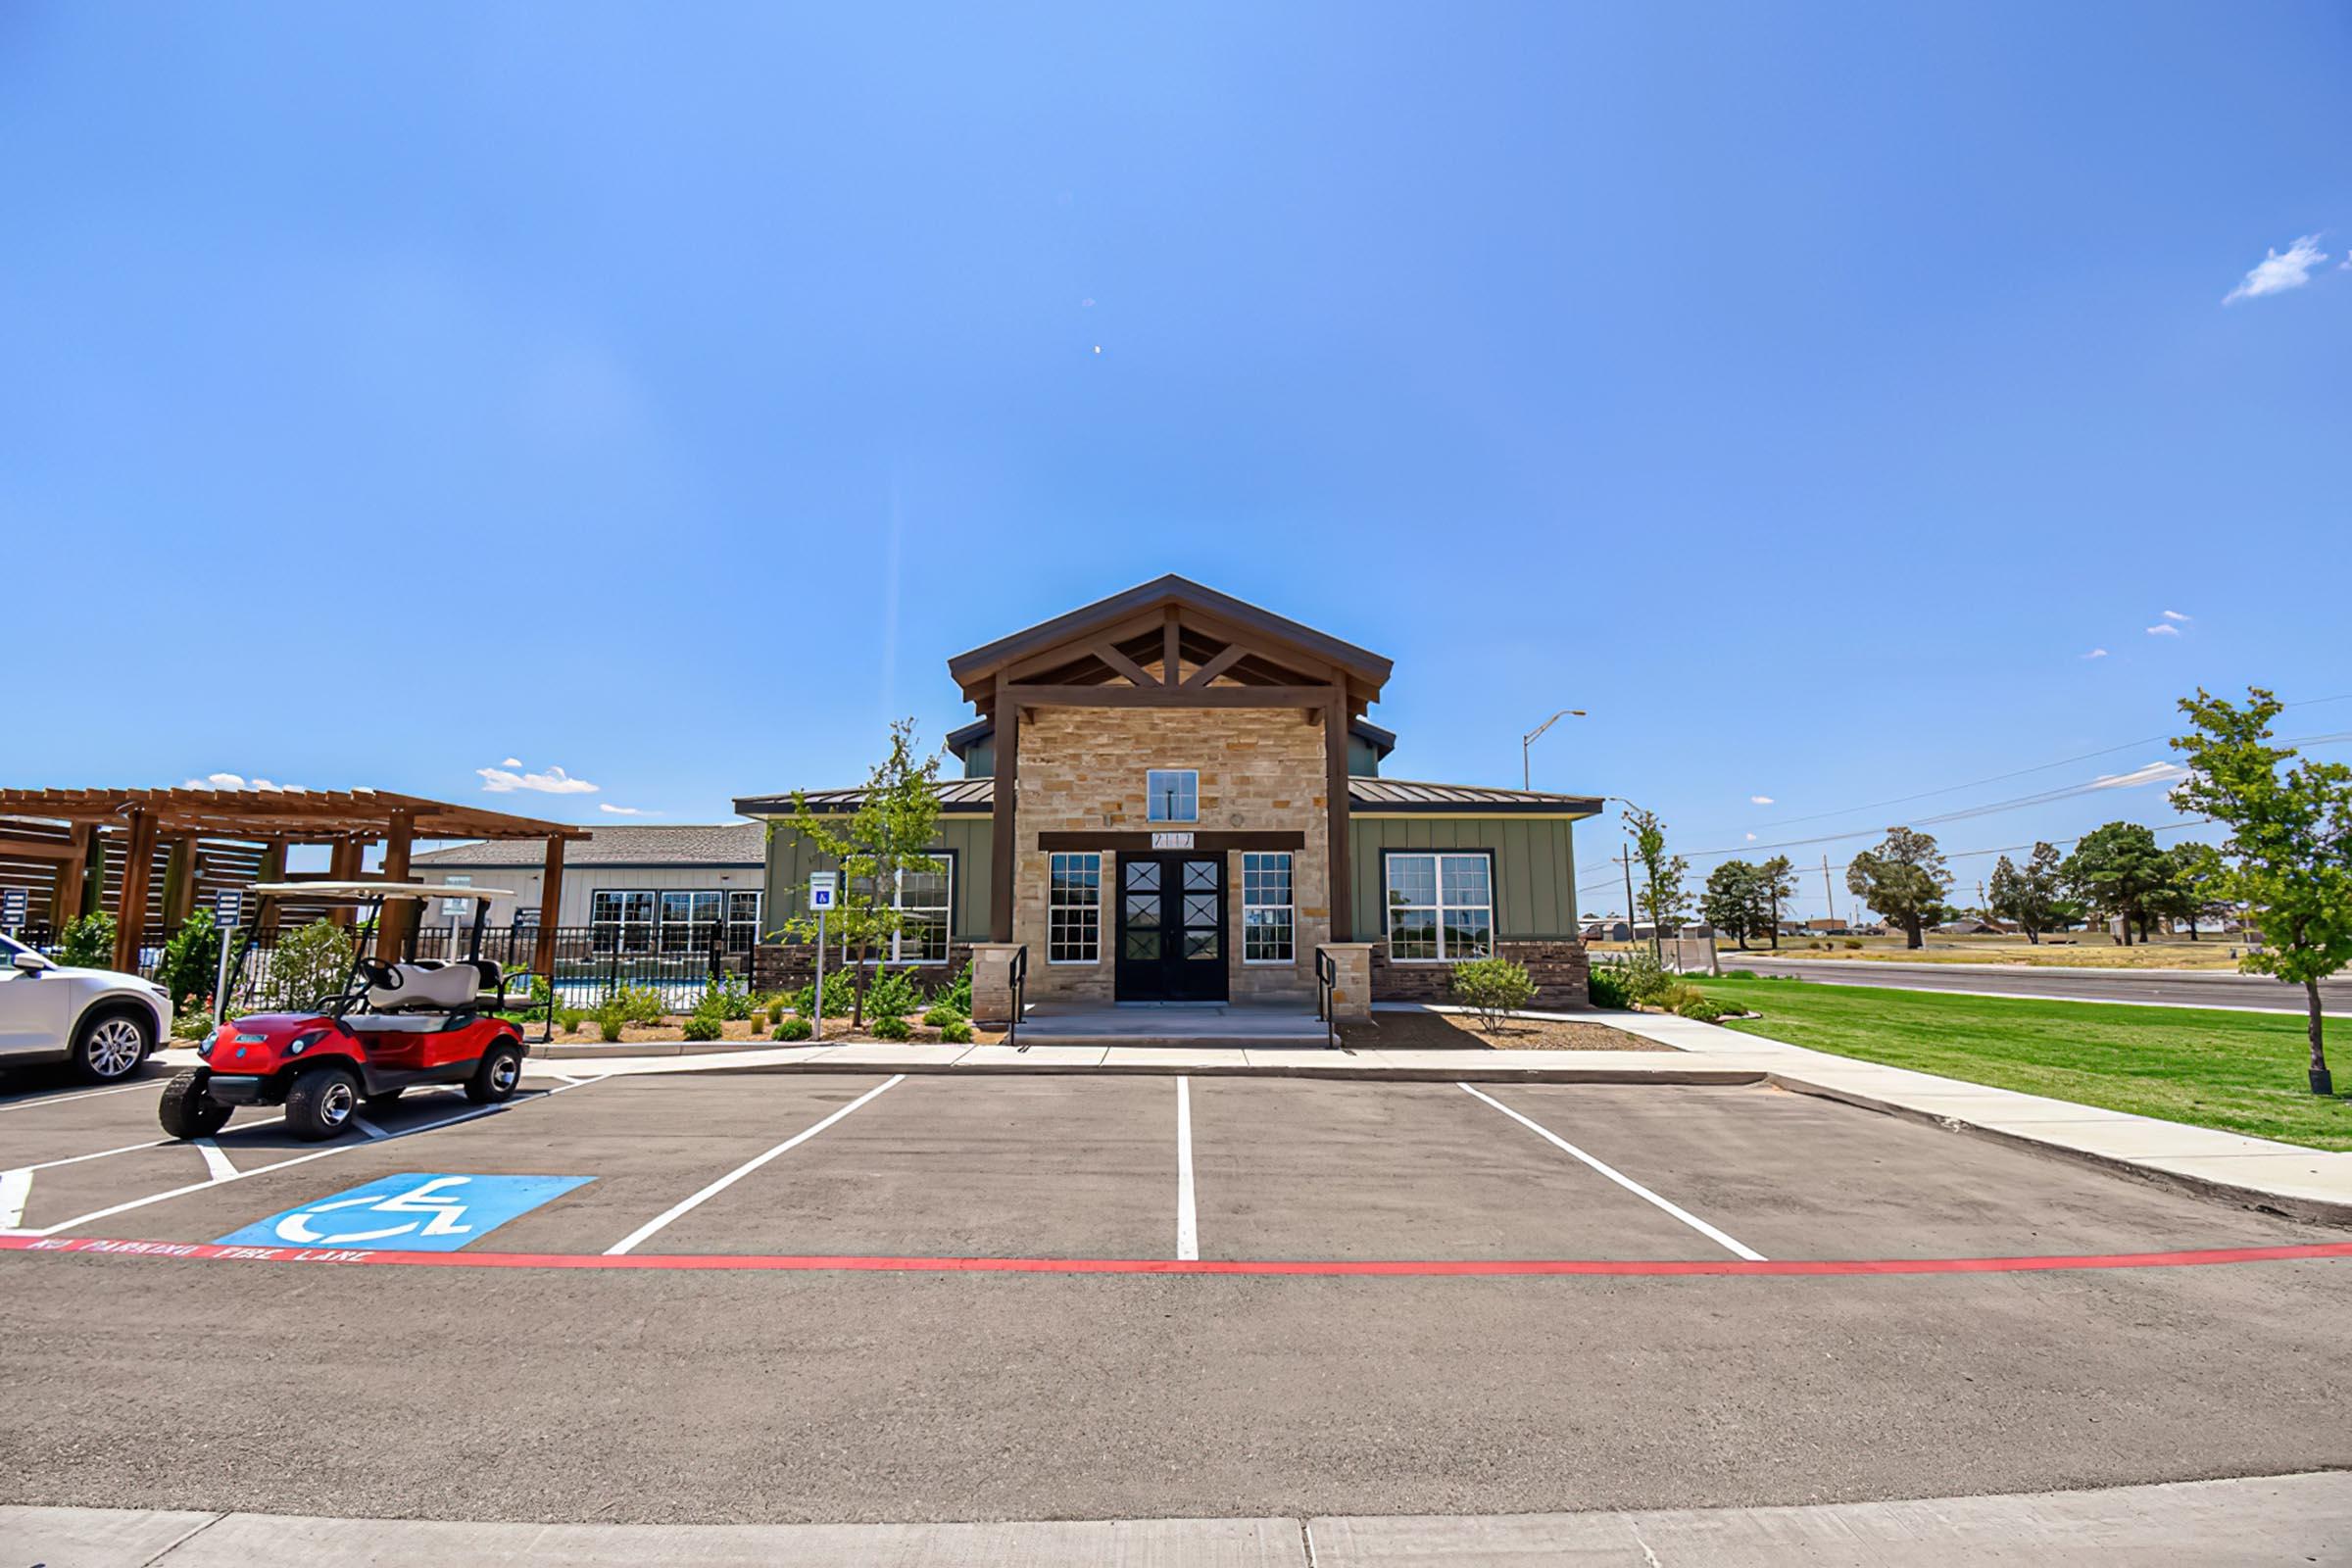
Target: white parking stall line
[1187, 1212]
[1622, 1180]
[474, 1114]
[83, 1093]
[215, 1163]
[676, 1211]
[102, 1154]
[372, 1132]
[15, 1190]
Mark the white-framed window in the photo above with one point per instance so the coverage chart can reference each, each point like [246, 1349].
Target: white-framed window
[1269, 916]
[922, 899]
[1172, 795]
[742, 921]
[621, 920]
[1074, 909]
[1440, 907]
[688, 919]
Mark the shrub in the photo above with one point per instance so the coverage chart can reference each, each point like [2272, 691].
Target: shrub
[307, 966]
[959, 993]
[1705, 1009]
[729, 1001]
[702, 1026]
[569, 1019]
[192, 1023]
[940, 1015]
[1639, 975]
[634, 1004]
[1608, 986]
[793, 1029]
[1494, 986]
[1851, 942]
[890, 1026]
[87, 942]
[892, 995]
[608, 1025]
[191, 960]
[838, 997]
[1675, 997]
[957, 1031]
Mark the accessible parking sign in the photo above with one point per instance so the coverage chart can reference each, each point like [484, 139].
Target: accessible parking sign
[412, 1214]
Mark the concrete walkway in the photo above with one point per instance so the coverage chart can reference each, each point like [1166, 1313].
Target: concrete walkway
[2305, 1518]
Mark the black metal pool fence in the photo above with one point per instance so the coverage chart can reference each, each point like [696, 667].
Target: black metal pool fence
[591, 962]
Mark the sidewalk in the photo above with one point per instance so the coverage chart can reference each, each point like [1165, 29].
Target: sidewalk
[2305, 1183]
[2306, 1518]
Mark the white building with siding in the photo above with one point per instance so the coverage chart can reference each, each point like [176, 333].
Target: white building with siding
[639, 888]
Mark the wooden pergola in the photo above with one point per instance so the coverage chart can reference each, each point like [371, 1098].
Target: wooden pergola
[346, 821]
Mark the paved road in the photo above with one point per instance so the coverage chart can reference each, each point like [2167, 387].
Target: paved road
[704, 1394]
[2176, 987]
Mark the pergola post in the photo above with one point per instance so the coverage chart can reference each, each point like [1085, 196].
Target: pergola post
[272, 868]
[550, 904]
[64, 888]
[180, 882]
[392, 927]
[89, 896]
[344, 859]
[130, 908]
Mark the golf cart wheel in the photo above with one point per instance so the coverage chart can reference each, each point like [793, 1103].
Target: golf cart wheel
[499, 1075]
[321, 1103]
[110, 1046]
[185, 1111]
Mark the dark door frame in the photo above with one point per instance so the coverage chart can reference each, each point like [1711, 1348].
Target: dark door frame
[1172, 975]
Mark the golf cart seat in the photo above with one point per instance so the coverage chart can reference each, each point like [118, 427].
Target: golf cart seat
[433, 987]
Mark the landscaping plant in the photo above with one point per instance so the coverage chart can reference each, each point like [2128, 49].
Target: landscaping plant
[957, 1031]
[191, 959]
[793, 1029]
[893, 995]
[307, 966]
[1493, 987]
[839, 997]
[2290, 850]
[1661, 898]
[87, 942]
[939, 1015]
[890, 1026]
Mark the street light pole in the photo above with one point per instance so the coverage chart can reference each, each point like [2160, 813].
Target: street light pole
[1529, 739]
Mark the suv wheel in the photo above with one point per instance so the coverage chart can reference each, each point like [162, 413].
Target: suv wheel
[320, 1103]
[110, 1046]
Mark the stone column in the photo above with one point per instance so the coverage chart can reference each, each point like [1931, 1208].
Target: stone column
[1352, 996]
[992, 983]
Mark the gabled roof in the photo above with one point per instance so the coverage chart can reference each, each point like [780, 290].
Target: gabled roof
[680, 844]
[1365, 672]
[977, 796]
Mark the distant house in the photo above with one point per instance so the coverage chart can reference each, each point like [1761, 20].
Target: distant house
[636, 888]
[1609, 928]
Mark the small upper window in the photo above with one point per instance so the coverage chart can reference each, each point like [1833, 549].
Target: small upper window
[1172, 794]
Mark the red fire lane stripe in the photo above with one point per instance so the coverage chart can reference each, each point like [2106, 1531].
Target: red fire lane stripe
[1404, 1267]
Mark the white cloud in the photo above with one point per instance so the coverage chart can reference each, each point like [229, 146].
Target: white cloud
[1759, 800]
[2175, 614]
[1751, 838]
[2152, 773]
[2164, 628]
[2276, 274]
[2096, 653]
[512, 762]
[555, 781]
[227, 782]
[624, 811]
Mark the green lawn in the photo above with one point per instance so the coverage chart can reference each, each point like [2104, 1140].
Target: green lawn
[2242, 1072]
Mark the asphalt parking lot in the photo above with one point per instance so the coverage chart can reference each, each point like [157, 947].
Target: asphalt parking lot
[756, 1298]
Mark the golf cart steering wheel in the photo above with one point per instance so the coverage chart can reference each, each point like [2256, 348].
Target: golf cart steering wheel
[382, 976]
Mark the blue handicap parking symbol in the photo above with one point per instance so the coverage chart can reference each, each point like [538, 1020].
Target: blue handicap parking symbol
[413, 1213]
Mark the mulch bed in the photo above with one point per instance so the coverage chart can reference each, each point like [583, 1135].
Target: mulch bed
[1438, 1031]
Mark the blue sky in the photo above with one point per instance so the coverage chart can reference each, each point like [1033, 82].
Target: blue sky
[662, 394]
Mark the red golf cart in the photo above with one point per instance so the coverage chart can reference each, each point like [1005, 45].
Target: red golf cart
[393, 1027]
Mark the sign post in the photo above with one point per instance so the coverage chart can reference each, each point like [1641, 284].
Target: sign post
[821, 885]
[229, 904]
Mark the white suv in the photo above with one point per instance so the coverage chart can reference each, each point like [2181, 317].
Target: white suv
[103, 1022]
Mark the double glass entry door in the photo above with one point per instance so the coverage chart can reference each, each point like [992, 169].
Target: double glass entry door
[1171, 928]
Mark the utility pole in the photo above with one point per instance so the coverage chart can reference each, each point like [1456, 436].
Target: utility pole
[1632, 924]
[1828, 891]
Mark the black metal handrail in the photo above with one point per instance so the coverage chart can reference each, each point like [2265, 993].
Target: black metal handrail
[1020, 992]
[1327, 980]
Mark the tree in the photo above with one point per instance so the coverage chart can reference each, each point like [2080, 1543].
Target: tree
[2030, 898]
[1735, 899]
[1778, 880]
[2290, 850]
[190, 964]
[1904, 879]
[1662, 898]
[887, 837]
[2117, 869]
[2192, 890]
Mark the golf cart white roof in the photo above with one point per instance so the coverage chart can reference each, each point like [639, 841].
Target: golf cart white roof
[369, 892]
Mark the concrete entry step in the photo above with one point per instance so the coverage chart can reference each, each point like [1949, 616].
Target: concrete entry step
[1173, 1023]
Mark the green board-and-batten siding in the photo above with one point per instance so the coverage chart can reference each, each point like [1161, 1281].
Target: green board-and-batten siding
[789, 859]
[1535, 869]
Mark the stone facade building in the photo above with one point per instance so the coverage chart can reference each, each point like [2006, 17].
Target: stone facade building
[1174, 796]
